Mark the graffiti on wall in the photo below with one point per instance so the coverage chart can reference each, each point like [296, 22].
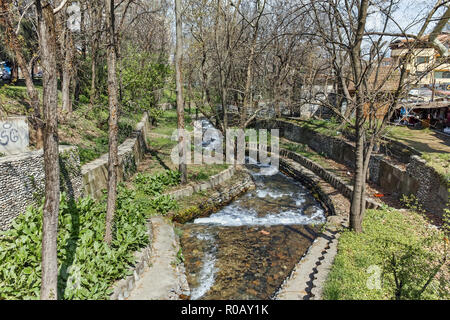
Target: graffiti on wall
[14, 136]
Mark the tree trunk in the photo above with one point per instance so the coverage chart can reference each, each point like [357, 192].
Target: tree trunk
[358, 197]
[67, 72]
[46, 25]
[179, 84]
[358, 183]
[93, 91]
[190, 95]
[248, 82]
[113, 160]
[97, 17]
[224, 106]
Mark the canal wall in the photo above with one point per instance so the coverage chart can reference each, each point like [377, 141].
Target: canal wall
[413, 177]
[220, 195]
[131, 152]
[22, 181]
[329, 177]
[307, 279]
[212, 182]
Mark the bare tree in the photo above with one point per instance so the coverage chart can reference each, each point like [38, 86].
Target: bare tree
[95, 10]
[113, 159]
[179, 84]
[47, 36]
[67, 50]
[364, 84]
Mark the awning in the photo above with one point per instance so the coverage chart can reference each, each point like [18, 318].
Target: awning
[426, 105]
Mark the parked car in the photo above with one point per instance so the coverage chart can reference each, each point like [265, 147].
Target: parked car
[6, 77]
[5, 72]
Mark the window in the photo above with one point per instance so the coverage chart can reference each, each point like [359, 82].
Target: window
[442, 74]
[420, 74]
[420, 60]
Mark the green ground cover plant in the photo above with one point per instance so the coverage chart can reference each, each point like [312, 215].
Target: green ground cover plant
[396, 257]
[88, 267]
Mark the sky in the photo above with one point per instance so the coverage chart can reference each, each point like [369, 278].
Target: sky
[408, 16]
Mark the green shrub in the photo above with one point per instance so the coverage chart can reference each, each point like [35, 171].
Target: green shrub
[87, 155]
[143, 78]
[83, 99]
[199, 176]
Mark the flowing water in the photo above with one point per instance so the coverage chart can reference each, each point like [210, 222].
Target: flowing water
[248, 248]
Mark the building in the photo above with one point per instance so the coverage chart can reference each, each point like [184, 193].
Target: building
[424, 57]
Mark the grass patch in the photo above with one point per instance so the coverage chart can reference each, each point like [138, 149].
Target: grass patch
[161, 149]
[302, 149]
[318, 158]
[441, 163]
[366, 257]
[14, 99]
[88, 128]
[167, 123]
[329, 127]
[434, 148]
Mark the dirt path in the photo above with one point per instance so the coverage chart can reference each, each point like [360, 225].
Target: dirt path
[163, 279]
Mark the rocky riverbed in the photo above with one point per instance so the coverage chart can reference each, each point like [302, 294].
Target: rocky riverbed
[248, 248]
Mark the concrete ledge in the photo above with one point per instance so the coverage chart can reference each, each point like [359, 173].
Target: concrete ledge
[211, 183]
[329, 177]
[131, 152]
[307, 279]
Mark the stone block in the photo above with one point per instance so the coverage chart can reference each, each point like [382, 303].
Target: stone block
[14, 135]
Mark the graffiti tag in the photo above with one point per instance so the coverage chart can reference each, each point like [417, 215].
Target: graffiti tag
[8, 134]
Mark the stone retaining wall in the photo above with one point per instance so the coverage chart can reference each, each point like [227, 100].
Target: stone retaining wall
[399, 150]
[22, 181]
[329, 177]
[22, 176]
[211, 183]
[226, 194]
[220, 195]
[334, 148]
[308, 277]
[417, 179]
[430, 189]
[131, 152]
